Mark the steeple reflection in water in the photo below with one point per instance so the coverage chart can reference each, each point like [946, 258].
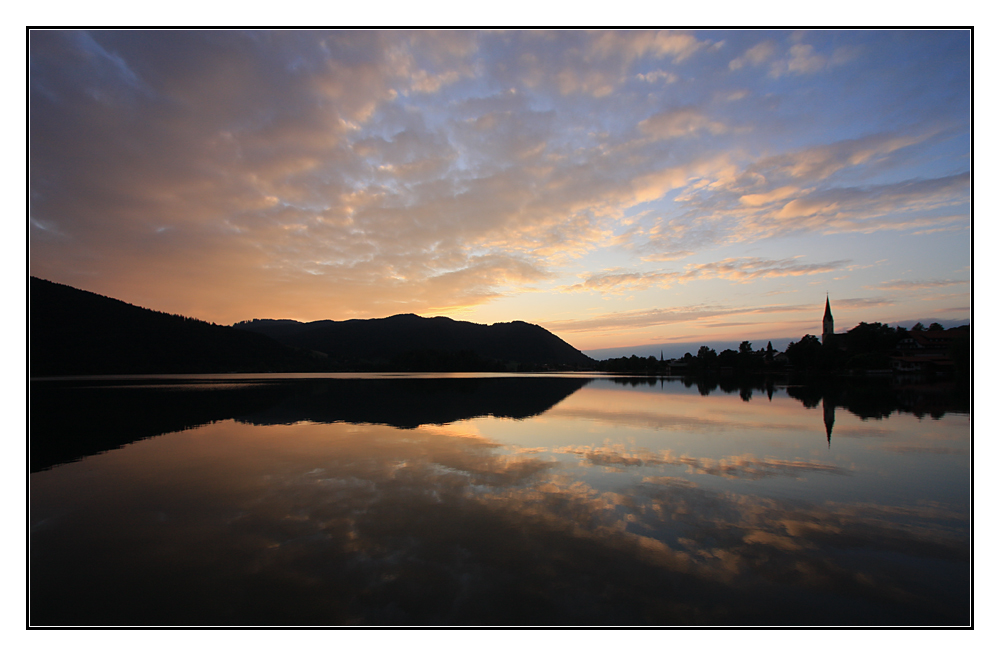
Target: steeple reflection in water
[829, 417]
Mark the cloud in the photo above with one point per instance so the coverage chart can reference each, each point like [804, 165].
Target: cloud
[861, 303]
[819, 162]
[754, 56]
[480, 279]
[733, 96]
[795, 193]
[280, 168]
[917, 285]
[593, 64]
[745, 269]
[426, 83]
[802, 59]
[756, 200]
[738, 269]
[653, 77]
[634, 45]
[346, 174]
[664, 316]
[867, 209]
[684, 121]
[623, 281]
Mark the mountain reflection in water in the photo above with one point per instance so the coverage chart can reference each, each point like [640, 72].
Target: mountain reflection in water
[72, 419]
[503, 501]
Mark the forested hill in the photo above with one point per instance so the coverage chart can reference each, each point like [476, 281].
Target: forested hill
[75, 332]
[409, 342]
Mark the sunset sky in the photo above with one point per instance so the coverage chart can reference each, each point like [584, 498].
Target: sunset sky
[617, 188]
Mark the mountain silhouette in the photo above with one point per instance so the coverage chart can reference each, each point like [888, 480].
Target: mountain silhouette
[75, 332]
[405, 341]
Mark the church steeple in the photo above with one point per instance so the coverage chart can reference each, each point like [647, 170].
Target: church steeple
[827, 321]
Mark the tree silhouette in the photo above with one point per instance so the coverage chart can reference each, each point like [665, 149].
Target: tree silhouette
[807, 353]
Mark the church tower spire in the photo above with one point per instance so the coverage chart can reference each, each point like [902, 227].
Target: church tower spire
[827, 321]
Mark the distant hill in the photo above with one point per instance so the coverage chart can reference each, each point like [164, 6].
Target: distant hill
[77, 332]
[678, 349]
[944, 323]
[407, 342]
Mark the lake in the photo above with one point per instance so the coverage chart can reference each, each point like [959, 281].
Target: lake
[477, 499]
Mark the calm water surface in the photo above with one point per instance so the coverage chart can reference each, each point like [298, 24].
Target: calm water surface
[403, 500]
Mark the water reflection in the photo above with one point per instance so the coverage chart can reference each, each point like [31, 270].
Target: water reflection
[871, 398]
[829, 418]
[71, 419]
[618, 505]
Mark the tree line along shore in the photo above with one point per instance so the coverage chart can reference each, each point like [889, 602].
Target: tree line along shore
[866, 349]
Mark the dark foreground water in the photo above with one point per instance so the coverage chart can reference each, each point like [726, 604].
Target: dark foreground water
[495, 501]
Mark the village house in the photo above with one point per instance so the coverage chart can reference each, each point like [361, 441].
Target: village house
[927, 351]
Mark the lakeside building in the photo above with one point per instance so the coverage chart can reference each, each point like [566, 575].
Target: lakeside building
[927, 351]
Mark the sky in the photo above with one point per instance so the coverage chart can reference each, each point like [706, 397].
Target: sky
[618, 188]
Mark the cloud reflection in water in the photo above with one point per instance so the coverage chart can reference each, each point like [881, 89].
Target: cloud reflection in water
[367, 524]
